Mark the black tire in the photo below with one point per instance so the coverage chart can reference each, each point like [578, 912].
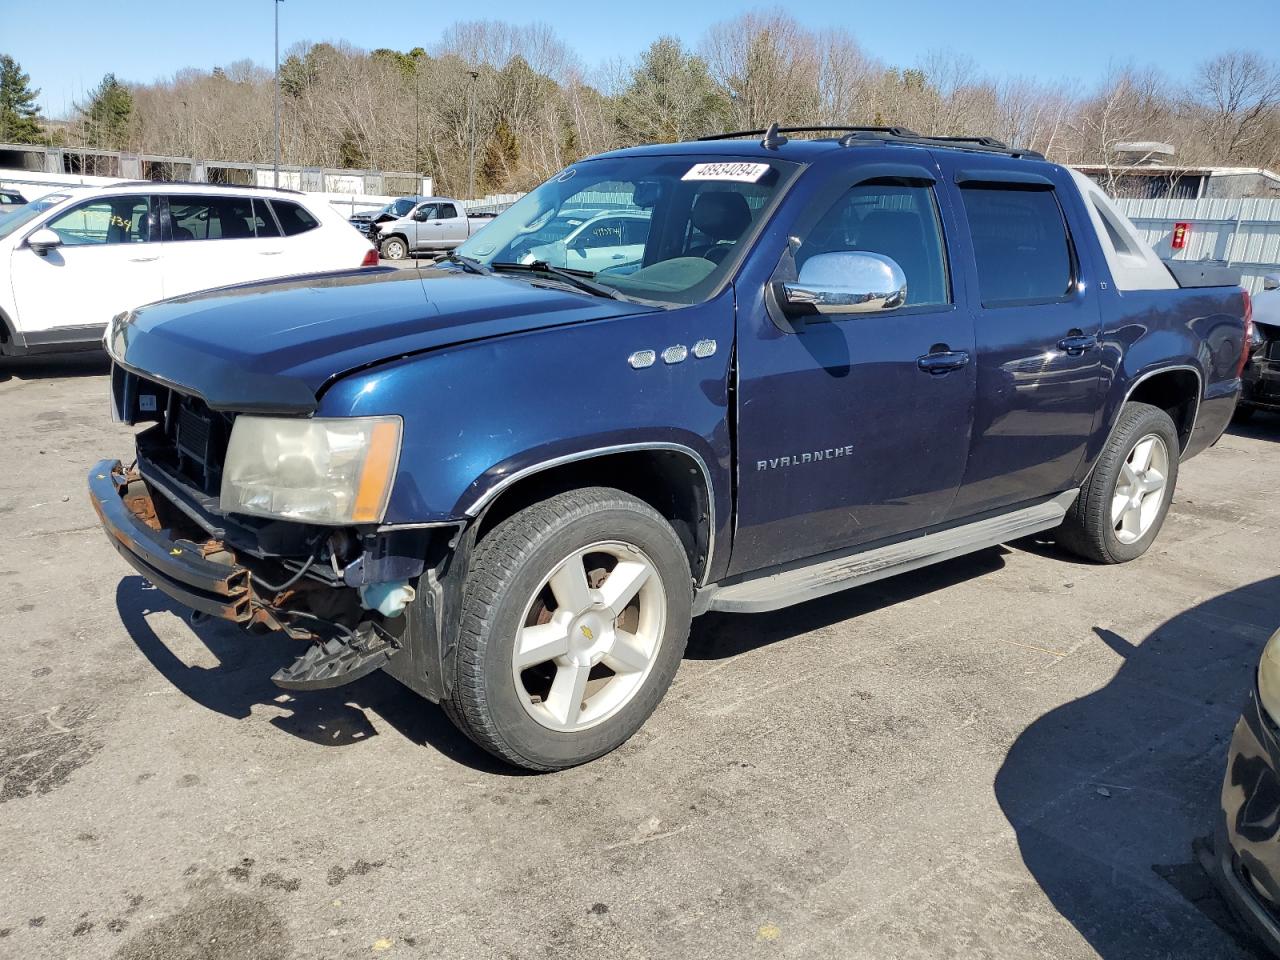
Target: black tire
[1087, 530]
[506, 570]
[393, 248]
[1243, 413]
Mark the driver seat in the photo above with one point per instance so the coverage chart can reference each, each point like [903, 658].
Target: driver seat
[722, 215]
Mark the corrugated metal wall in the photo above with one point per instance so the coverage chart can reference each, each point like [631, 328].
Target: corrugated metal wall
[1241, 233]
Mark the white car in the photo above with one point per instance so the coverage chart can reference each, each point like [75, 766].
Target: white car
[597, 243]
[73, 259]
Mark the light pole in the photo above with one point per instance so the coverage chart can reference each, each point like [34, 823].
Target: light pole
[276, 167]
[417, 100]
[471, 110]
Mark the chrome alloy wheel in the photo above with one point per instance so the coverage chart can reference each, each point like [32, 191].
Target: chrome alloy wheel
[590, 636]
[1140, 489]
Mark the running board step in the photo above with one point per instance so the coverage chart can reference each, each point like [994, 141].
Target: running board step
[808, 580]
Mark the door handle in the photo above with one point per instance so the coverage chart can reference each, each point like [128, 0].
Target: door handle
[1076, 343]
[270, 253]
[142, 259]
[943, 361]
[618, 256]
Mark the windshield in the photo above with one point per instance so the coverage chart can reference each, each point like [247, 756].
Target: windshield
[14, 219]
[663, 228]
[402, 206]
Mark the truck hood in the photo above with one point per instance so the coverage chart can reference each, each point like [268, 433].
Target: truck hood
[272, 347]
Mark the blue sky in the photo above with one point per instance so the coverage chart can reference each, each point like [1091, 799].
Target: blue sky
[67, 45]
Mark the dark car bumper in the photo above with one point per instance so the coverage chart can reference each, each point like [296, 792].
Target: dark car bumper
[189, 573]
[1260, 383]
[1245, 861]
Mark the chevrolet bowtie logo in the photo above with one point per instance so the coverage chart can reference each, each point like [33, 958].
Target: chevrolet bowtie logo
[586, 632]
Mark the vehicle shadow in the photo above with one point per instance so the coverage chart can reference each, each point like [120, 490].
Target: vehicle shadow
[1263, 425]
[90, 363]
[1107, 792]
[242, 681]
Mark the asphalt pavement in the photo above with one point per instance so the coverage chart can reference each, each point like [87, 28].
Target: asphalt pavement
[1004, 756]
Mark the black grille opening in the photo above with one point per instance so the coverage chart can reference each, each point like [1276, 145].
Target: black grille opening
[190, 442]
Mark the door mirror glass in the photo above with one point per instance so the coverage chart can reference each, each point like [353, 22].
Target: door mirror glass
[424, 213]
[44, 240]
[846, 282]
[1271, 281]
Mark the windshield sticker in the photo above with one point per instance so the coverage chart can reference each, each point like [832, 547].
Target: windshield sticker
[739, 172]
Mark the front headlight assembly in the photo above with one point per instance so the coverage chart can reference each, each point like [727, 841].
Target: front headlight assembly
[1269, 677]
[329, 471]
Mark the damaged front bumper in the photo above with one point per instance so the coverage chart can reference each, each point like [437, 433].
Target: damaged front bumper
[204, 577]
[215, 578]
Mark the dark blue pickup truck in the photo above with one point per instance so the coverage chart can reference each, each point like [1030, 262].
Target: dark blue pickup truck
[730, 375]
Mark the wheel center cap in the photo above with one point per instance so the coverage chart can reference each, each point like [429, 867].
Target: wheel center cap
[589, 634]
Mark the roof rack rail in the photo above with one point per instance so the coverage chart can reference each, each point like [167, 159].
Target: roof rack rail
[201, 183]
[854, 135]
[775, 129]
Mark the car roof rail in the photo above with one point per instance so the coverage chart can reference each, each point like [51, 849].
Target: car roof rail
[775, 136]
[160, 184]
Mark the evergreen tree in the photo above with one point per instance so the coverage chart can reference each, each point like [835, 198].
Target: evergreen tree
[19, 115]
[108, 113]
[501, 159]
[671, 96]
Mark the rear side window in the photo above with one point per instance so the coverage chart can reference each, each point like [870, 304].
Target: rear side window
[264, 224]
[1020, 244]
[446, 211]
[294, 219]
[211, 218]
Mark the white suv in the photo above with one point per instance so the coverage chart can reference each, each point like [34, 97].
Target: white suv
[75, 258]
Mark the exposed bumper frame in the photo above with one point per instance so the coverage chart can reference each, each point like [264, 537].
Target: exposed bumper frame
[179, 568]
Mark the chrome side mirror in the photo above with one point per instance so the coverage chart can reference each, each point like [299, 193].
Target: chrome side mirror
[1271, 281]
[846, 282]
[44, 240]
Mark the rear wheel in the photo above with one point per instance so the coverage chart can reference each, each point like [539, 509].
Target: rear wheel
[394, 248]
[1122, 505]
[575, 619]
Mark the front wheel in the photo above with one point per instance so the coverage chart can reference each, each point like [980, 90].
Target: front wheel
[575, 619]
[394, 248]
[1122, 505]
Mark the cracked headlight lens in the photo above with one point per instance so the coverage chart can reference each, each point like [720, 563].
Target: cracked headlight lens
[328, 471]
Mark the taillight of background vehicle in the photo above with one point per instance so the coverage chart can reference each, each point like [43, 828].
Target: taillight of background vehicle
[1247, 344]
[370, 258]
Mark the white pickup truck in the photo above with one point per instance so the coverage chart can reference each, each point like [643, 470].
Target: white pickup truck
[435, 224]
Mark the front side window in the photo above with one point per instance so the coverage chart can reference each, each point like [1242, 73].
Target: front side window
[1020, 244]
[697, 216]
[103, 221]
[211, 218]
[897, 220]
[294, 218]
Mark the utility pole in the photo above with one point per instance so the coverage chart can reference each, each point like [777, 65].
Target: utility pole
[417, 100]
[276, 167]
[471, 111]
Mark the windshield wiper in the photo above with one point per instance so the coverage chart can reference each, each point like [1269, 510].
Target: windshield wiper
[468, 263]
[577, 278]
